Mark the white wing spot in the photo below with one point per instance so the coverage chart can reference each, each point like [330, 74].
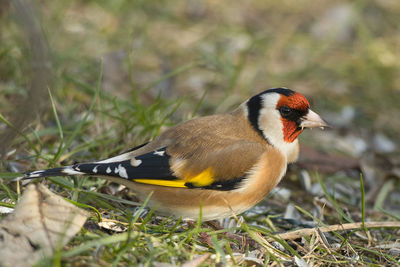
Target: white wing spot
[159, 153]
[116, 170]
[108, 170]
[70, 171]
[122, 172]
[95, 169]
[136, 162]
[77, 168]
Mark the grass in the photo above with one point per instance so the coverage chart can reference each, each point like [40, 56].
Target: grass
[167, 62]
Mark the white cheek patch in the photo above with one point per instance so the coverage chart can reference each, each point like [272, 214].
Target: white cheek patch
[270, 124]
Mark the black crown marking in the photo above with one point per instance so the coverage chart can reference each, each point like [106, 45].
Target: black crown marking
[254, 105]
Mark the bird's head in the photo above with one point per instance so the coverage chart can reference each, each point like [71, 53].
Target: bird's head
[280, 115]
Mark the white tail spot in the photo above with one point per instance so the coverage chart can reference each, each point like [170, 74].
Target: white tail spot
[122, 172]
[136, 162]
[95, 169]
[70, 171]
[159, 153]
[33, 175]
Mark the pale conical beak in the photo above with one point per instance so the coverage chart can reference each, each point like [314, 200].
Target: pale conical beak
[311, 120]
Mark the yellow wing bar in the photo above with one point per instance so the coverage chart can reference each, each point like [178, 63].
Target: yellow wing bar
[179, 183]
[202, 179]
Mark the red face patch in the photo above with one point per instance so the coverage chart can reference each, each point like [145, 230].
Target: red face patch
[297, 102]
[290, 130]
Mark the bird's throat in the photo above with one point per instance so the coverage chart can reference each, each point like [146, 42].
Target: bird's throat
[290, 130]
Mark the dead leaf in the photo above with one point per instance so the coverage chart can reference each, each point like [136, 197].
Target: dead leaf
[114, 226]
[41, 223]
[197, 261]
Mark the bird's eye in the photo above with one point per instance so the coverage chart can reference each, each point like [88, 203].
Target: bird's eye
[285, 111]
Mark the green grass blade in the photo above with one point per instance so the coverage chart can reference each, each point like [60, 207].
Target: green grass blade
[171, 74]
[333, 201]
[113, 198]
[9, 193]
[383, 193]
[7, 205]
[83, 121]
[9, 175]
[96, 243]
[59, 127]
[134, 220]
[362, 203]
[81, 205]
[9, 124]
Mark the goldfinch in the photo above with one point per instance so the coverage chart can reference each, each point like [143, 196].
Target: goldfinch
[222, 164]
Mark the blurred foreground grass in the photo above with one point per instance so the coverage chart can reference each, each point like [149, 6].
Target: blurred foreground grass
[156, 63]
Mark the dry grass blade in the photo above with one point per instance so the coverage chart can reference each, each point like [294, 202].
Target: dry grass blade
[333, 228]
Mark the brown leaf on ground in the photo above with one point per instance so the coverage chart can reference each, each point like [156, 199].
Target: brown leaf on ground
[197, 261]
[42, 222]
[113, 225]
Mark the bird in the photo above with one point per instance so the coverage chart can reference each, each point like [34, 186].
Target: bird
[217, 165]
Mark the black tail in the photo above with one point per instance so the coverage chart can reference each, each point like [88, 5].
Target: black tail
[61, 171]
[153, 165]
[117, 169]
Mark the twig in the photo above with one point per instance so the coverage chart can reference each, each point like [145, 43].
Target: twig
[337, 227]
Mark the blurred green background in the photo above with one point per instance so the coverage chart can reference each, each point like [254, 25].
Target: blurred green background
[337, 53]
